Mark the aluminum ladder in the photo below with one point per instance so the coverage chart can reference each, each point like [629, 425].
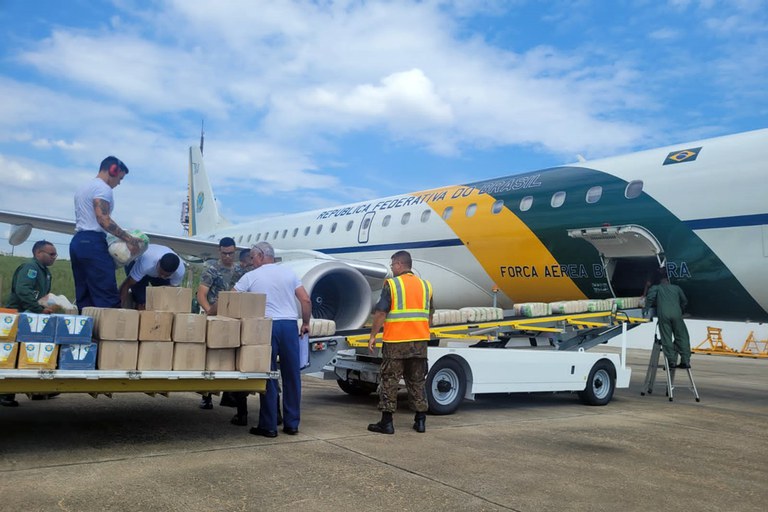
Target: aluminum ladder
[659, 360]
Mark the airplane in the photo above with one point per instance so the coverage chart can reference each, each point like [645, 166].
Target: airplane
[589, 230]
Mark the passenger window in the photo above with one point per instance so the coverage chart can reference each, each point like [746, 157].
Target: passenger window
[385, 220]
[594, 194]
[558, 198]
[406, 217]
[319, 229]
[366, 222]
[447, 213]
[526, 203]
[333, 227]
[274, 237]
[295, 232]
[258, 236]
[350, 224]
[266, 236]
[634, 189]
[240, 239]
[471, 210]
[285, 232]
[306, 231]
[248, 239]
[497, 207]
[425, 215]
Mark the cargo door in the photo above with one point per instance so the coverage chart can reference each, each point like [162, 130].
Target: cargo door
[630, 255]
[365, 228]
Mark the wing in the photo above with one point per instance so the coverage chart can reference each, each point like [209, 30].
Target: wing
[196, 248]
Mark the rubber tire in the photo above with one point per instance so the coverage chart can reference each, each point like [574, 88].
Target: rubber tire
[596, 393]
[356, 387]
[451, 371]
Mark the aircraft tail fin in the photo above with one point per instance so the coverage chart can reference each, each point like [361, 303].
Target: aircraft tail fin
[203, 213]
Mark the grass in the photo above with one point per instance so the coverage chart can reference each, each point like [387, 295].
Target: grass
[62, 282]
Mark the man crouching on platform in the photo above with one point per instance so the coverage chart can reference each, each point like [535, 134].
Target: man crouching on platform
[405, 311]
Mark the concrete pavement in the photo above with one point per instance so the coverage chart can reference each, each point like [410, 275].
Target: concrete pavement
[513, 452]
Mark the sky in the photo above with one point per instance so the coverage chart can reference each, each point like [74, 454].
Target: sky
[311, 104]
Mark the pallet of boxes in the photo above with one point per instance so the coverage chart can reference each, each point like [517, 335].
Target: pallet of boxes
[164, 348]
[168, 337]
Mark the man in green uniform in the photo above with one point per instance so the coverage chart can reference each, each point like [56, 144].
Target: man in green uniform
[670, 302]
[31, 282]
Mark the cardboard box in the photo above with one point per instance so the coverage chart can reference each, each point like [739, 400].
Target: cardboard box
[9, 353]
[220, 359]
[117, 355]
[189, 328]
[38, 355]
[78, 356]
[155, 355]
[241, 305]
[114, 324]
[155, 325]
[73, 329]
[9, 323]
[169, 298]
[36, 327]
[222, 332]
[256, 331]
[254, 358]
[188, 356]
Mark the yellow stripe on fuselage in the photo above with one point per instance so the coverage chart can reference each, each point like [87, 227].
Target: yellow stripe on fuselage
[502, 241]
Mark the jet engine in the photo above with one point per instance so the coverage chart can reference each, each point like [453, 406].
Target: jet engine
[19, 234]
[338, 292]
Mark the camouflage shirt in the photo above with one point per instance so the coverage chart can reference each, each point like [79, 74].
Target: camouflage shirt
[219, 278]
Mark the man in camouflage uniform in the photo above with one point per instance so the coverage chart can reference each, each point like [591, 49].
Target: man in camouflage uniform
[219, 276]
[405, 311]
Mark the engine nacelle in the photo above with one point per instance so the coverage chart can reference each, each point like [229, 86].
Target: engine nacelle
[19, 234]
[338, 292]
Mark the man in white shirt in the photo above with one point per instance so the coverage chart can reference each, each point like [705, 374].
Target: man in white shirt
[92, 267]
[158, 266]
[282, 288]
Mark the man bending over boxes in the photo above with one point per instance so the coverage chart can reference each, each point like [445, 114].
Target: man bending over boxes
[158, 266]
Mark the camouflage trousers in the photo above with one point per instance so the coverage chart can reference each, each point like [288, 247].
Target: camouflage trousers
[407, 361]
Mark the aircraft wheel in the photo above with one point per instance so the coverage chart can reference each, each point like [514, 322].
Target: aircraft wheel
[600, 384]
[446, 386]
[356, 387]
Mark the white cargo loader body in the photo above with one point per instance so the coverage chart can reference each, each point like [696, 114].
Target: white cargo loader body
[457, 370]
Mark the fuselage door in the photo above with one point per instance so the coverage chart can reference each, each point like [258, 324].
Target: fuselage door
[365, 228]
[629, 254]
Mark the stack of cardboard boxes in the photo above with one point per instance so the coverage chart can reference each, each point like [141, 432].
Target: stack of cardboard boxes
[164, 337]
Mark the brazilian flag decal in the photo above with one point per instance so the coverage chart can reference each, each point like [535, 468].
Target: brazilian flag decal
[678, 157]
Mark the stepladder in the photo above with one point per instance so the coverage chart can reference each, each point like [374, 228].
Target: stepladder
[659, 360]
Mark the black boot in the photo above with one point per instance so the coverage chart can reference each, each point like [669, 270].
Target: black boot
[420, 422]
[384, 426]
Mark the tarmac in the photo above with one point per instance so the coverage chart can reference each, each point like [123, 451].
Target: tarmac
[522, 452]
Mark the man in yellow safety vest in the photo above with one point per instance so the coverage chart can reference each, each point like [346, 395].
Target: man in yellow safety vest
[405, 311]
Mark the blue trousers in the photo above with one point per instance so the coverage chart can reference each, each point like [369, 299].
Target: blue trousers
[285, 343]
[93, 270]
[139, 289]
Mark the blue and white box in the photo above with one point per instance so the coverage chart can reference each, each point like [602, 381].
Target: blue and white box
[78, 356]
[73, 329]
[36, 328]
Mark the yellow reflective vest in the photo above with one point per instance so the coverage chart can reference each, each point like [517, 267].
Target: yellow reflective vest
[408, 320]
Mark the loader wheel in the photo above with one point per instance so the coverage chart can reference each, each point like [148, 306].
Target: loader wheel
[600, 384]
[356, 387]
[446, 386]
